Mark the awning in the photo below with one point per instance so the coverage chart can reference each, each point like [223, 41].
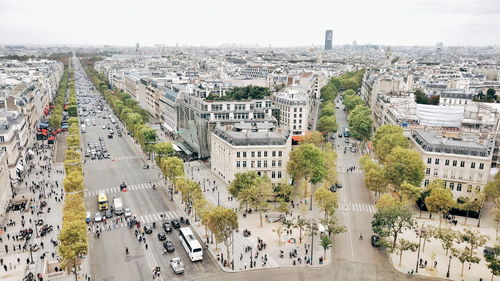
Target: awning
[176, 148]
[185, 149]
[51, 138]
[296, 138]
[166, 126]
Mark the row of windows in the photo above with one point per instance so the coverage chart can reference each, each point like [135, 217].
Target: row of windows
[259, 154]
[454, 174]
[260, 164]
[455, 163]
[458, 186]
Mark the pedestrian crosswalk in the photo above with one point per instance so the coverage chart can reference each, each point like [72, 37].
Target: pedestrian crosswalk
[134, 187]
[161, 216]
[357, 207]
[119, 158]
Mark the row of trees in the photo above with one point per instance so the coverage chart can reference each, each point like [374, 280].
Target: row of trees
[327, 121]
[56, 117]
[422, 98]
[73, 236]
[491, 96]
[348, 81]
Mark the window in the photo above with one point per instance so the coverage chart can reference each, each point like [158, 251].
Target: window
[426, 182]
[238, 164]
[244, 164]
[238, 154]
[259, 154]
[436, 161]
[459, 187]
[471, 175]
[469, 188]
[273, 174]
[462, 164]
[265, 153]
[445, 173]
[473, 165]
[265, 163]
[244, 154]
[253, 153]
[435, 172]
[481, 166]
[428, 171]
[273, 163]
[429, 160]
[259, 164]
[452, 185]
[280, 153]
[279, 174]
[460, 175]
[447, 162]
[452, 174]
[454, 163]
[479, 176]
[252, 164]
[274, 153]
[279, 163]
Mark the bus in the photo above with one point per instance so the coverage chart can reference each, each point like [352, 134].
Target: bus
[102, 201]
[346, 132]
[191, 244]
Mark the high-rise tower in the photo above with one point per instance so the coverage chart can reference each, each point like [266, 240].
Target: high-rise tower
[328, 39]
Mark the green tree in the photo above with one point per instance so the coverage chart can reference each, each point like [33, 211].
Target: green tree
[403, 165]
[474, 240]
[440, 201]
[351, 101]
[327, 124]
[385, 130]
[360, 122]
[327, 201]
[491, 95]
[327, 109]
[172, 167]
[300, 222]
[492, 190]
[375, 181]
[448, 238]
[307, 162]
[493, 262]
[72, 244]
[326, 242]
[402, 246]
[390, 220]
[222, 222]
[332, 227]
[163, 149]
[258, 195]
[387, 143]
[55, 121]
[421, 97]
[349, 92]
[72, 111]
[73, 182]
[242, 181]
[470, 203]
[314, 137]
[409, 192]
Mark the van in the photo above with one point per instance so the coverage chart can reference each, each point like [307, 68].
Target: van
[84, 129]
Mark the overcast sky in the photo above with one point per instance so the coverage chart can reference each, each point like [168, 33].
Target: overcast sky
[263, 22]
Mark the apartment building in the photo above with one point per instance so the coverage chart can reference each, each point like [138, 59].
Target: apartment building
[13, 139]
[5, 187]
[243, 147]
[463, 162]
[293, 103]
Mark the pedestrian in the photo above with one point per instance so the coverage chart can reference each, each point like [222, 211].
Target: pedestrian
[435, 264]
[5, 267]
[146, 246]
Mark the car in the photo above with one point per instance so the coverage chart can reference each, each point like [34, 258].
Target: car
[346, 140]
[333, 188]
[162, 236]
[98, 217]
[110, 136]
[167, 227]
[375, 240]
[338, 185]
[108, 214]
[177, 265]
[175, 224]
[88, 217]
[93, 156]
[169, 246]
[106, 155]
[87, 153]
[148, 229]
[490, 252]
[104, 149]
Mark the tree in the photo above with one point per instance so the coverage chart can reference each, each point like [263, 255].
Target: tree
[300, 223]
[360, 122]
[496, 218]
[55, 120]
[351, 101]
[326, 200]
[421, 97]
[330, 164]
[491, 95]
[493, 262]
[492, 190]
[307, 162]
[72, 244]
[72, 111]
[387, 200]
[327, 109]
[367, 163]
[172, 167]
[222, 222]
[242, 181]
[390, 220]
[375, 180]
[279, 229]
[73, 182]
[385, 130]
[189, 189]
[72, 141]
[326, 242]
[409, 192]
[283, 191]
[387, 143]
[404, 165]
[332, 228]
[257, 195]
[448, 238]
[402, 246]
[163, 149]
[474, 239]
[327, 124]
[440, 201]
[313, 137]
[349, 92]
[470, 203]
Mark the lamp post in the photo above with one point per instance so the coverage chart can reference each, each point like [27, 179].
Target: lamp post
[218, 198]
[232, 244]
[419, 234]
[449, 264]
[311, 201]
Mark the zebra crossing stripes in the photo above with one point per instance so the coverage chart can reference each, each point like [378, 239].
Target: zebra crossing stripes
[119, 158]
[109, 190]
[162, 216]
[356, 207]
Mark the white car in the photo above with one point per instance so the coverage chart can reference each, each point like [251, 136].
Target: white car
[98, 217]
[177, 265]
[127, 212]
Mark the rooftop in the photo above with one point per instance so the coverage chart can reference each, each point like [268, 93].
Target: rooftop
[252, 134]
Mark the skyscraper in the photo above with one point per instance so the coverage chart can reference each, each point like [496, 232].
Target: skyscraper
[328, 39]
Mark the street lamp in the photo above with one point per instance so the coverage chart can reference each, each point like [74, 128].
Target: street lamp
[449, 263]
[419, 234]
[218, 198]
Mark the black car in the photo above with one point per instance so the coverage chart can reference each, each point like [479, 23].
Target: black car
[333, 188]
[375, 240]
[148, 229]
[167, 227]
[175, 224]
[108, 214]
[162, 236]
[169, 246]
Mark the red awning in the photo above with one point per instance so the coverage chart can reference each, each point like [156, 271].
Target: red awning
[297, 138]
[51, 138]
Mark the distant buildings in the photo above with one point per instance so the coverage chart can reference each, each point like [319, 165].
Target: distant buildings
[243, 147]
[328, 40]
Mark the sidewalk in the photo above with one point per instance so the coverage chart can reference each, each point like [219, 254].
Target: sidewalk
[246, 248]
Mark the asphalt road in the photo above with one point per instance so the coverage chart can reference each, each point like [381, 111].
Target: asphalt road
[108, 260]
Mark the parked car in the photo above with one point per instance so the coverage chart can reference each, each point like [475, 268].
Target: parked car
[177, 265]
[148, 229]
[88, 217]
[98, 217]
[162, 236]
[167, 227]
[175, 224]
[169, 246]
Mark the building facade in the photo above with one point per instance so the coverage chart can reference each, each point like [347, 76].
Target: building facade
[5, 187]
[328, 40]
[293, 104]
[243, 147]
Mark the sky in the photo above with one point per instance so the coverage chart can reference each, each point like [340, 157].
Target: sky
[279, 23]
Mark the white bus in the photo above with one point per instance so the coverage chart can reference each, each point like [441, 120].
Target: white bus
[191, 244]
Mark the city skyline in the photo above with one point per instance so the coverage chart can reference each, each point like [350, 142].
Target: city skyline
[277, 23]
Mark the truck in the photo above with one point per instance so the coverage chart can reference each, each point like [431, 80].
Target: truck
[118, 205]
